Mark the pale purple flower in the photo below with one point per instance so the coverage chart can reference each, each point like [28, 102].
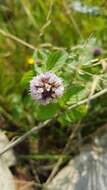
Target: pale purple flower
[46, 87]
[97, 52]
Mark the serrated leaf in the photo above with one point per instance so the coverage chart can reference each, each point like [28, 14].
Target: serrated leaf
[62, 60]
[52, 59]
[56, 60]
[73, 91]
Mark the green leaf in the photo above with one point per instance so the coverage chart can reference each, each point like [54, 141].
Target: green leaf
[47, 111]
[72, 91]
[82, 94]
[74, 115]
[26, 78]
[52, 59]
[56, 60]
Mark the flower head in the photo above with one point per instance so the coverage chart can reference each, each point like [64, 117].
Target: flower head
[97, 52]
[30, 61]
[46, 87]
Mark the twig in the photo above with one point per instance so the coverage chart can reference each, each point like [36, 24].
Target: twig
[28, 10]
[42, 125]
[48, 20]
[7, 34]
[9, 117]
[60, 161]
[26, 44]
[5, 112]
[35, 174]
[23, 137]
[46, 168]
[71, 18]
[98, 94]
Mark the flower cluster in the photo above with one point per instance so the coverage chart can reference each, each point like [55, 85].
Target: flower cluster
[46, 87]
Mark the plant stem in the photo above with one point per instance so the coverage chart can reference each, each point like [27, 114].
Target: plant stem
[44, 124]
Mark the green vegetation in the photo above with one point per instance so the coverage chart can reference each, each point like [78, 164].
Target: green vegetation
[68, 38]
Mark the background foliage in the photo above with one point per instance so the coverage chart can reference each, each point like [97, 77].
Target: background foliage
[62, 36]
